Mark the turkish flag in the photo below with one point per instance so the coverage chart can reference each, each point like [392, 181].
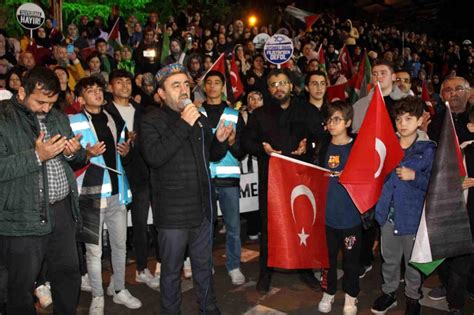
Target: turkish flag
[236, 83]
[346, 62]
[376, 152]
[337, 92]
[425, 96]
[296, 214]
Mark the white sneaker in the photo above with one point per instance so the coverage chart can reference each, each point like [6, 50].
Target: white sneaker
[43, 293]
[253, 237]
[146, 277]
[350, 305]
[125, 298]
[237, 276]
[325, 305]
[110, 288]
[97, 305]
[187, 269]
[86, 283]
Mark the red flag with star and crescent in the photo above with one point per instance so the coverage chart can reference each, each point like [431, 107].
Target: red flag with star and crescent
[236, 82]
[296, 214]
[376, 152]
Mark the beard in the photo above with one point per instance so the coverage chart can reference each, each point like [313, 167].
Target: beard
[282, 99]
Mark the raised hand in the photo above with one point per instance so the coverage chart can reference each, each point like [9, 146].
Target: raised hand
[223, 132]
[124, 147]
[73, 145]
[47, 150]
[301, 148]
[95, 150]
[268, 149]
[190, 114]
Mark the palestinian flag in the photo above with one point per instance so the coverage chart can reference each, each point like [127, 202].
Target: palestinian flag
[359, 84]
[322, 58]
[304, 16]
[444, 229]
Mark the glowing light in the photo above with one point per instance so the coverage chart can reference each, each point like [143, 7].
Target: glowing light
[252, 20]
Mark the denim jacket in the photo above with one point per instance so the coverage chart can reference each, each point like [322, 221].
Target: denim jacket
[407, 197]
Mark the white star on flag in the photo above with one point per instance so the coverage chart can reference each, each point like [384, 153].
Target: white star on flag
[303, 236]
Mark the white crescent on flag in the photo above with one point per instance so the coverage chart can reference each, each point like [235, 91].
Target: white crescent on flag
[302, 190]
[382, 152]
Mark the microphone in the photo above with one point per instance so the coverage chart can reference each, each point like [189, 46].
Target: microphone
[187, 102]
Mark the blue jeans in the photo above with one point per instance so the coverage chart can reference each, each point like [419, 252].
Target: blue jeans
[229, 203]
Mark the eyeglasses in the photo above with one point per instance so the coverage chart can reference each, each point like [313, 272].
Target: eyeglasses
[335, 120]
[274, 85]
[403, 80]
[316, 83]
[457, 89]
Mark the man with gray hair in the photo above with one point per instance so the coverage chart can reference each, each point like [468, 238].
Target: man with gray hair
[455, 272]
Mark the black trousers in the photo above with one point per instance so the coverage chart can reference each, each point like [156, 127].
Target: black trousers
[368, 239]
[23, 256]
[454, 274]
[350, 240]
[253, 222]
[173, 243]
[139, 211]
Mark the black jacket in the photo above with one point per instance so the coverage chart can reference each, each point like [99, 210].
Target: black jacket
[136, 169]
[24, 205]
[178, 156]
[282, 129]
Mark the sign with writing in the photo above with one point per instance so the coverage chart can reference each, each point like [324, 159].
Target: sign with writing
[278, 49]
[30, 16]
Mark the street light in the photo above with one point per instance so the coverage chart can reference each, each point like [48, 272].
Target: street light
[252, 20]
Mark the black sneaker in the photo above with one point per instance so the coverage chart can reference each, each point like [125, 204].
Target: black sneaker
[413, 307]
[437, 294]
[308, 278]
[384, 303]
[363, 271]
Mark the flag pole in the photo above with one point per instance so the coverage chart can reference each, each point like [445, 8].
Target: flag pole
[204, 75]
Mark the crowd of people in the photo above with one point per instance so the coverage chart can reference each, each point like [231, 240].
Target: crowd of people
[91, 126]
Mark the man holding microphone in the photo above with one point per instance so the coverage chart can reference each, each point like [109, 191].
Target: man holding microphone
[178, 143]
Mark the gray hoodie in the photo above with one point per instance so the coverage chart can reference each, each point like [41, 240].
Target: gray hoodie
[360, 107]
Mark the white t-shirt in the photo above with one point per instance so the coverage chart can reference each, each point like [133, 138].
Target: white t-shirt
[127, 113]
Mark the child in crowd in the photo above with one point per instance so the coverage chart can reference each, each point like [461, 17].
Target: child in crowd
[104, 191]
[343, 221]
[399, 208]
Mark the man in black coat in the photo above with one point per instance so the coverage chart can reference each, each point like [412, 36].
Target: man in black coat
[280, 126]
[177, 143]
